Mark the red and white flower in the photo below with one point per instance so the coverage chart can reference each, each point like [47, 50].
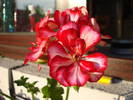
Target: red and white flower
[74, 35]
[67, 61]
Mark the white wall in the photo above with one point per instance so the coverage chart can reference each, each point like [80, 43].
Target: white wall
[64, 4]
[84, 93]
[4, 86]
[78, 3]
[61, 4]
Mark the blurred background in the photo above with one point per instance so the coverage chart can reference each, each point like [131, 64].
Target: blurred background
[115, 17]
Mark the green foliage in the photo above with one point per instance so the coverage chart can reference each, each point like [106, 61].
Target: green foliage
[76, 88]
[39, 12]
[52, 90]
[29, 86]
[21, 81]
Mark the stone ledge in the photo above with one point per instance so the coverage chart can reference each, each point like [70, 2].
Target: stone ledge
[110, 91]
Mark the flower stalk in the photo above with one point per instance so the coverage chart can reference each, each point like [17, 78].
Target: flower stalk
[67, 93]
[46, 98]
[33, 97]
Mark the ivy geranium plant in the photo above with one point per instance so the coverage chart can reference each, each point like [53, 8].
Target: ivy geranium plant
[66, 42]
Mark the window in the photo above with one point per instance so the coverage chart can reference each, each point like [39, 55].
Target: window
[22, 15]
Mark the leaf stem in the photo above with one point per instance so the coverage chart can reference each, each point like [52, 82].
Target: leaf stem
[67, 93]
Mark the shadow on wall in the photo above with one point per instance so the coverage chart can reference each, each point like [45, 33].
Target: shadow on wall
[1, 97]
[22, 95]
[129, 98]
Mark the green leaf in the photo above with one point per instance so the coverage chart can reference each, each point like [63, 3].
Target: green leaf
[76, 88]
[59, 90]
[57, 98]
[34, 90]
[51, 82]
[29, 86]
[57, 93]
[46, 92]
[21, 81]
[52, 90]
[34, 83]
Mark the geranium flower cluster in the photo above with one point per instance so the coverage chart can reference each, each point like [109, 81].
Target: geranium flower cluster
[66, 39]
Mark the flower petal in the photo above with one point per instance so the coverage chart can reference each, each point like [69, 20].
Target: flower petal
[95, 76]
[68, 36]
[46, 33]
[61, 77]
[77, 12]
[56, 49]
[83, 20]
[61, 18]
[99, 60]
[89, 68]
[95, 24]
[75, 76]
[74, 15]
[86, 66]
[36, 52]
[68, 33]
[57, 62]
[45, 28]
[58, 67]
[39, 67]
[69, 25]
[52, 25]
[77, 46]
[84, 11]
[43, 21]
[106, 37]
[90, 36]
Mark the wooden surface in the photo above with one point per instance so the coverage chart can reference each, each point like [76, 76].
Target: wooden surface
[16, 46]
[122, 68]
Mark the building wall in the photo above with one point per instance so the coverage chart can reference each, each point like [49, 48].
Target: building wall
[61, 4]
[73, 3]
